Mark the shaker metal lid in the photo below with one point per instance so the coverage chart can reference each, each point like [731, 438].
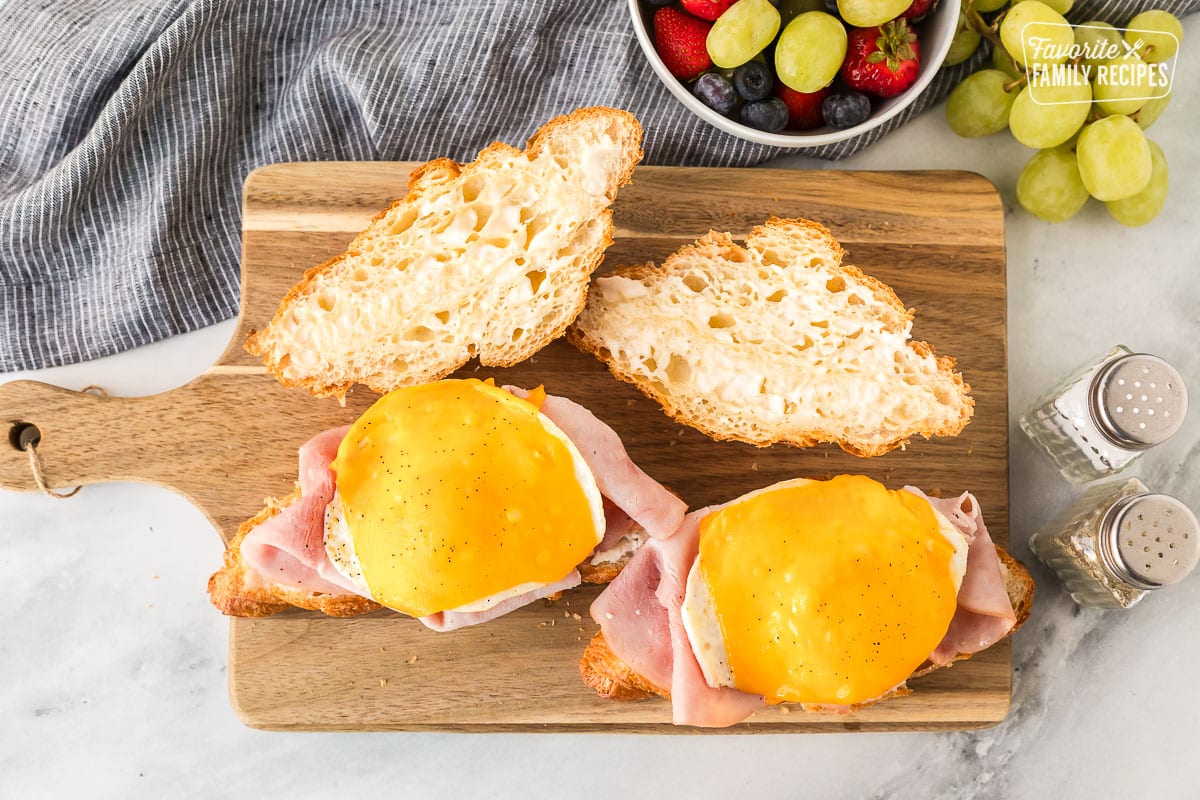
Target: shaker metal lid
[1156, 538]
[1139, 400]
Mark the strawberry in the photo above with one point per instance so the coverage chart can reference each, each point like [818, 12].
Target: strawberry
[680, 39]
[706, 9]
[882, 61]
[919, 10]
[804, 108]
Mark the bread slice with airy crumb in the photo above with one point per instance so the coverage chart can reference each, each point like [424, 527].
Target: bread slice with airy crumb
[603, 671]
[776, 341]
[490, 259]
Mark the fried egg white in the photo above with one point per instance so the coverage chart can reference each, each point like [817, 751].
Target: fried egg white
[704, 627]
[342, 549]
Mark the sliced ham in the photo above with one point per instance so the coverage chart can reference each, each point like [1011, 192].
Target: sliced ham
[452, 620]
[622, 536]
[640, 616]
[985, 614]
[644, 499]
[636, 625]
[289, 548]
[970, 632]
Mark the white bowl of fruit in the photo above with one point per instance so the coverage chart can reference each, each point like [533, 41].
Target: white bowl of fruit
[795, 73]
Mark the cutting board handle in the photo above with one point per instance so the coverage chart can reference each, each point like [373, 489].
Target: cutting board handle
[225, 441]
[84, 438]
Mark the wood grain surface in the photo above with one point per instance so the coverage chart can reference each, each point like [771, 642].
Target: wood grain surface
[228, 439]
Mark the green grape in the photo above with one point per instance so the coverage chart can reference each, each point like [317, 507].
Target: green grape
[965, 43]
[810, 51]
[1050, 186]
[1114, 158]
[869, 13]
[1145, 205]
[1070, 143]
[1002, 61]
[1099, 42]
[988, 6]
[1147, 114]
[1160, 33]
[1047, 115]
[1122, 85]
[1061, 6]
[979, 105]
[1036, 35]
[742, 32]
[790, 9]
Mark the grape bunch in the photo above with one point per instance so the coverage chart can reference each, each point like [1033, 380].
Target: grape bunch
[791, 64]
[1081, 96]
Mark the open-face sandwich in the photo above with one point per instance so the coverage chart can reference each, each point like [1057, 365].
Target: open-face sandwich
[454, 502]
[827, 594]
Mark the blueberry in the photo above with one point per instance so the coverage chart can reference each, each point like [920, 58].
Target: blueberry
[846, 110]
[716, 92]
[753, 80]
[766, 115]
[832, 7]
[657, 3]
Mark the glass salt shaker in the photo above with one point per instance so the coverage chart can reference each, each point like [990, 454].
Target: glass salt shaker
[1118, 542]
[1106, 414]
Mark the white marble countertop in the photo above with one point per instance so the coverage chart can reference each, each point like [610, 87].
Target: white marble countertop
[113, 675]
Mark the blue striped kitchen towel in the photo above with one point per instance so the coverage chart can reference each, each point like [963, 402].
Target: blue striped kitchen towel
[128, 126]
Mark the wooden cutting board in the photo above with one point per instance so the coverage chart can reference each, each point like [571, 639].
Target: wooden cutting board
[229, 438]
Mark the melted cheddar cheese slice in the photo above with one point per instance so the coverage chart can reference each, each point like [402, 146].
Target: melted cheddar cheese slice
[456, 491]
[828, 591]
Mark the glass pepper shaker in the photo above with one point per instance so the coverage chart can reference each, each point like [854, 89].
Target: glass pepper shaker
[1118, 542]
[1106, 414]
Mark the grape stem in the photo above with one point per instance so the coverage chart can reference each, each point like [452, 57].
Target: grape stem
[983, 29]
[988, 32]
[1013, 62]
